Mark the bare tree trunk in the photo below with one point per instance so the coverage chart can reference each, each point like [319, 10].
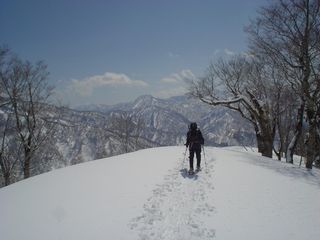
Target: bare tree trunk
[279, 151]
[6, 179]
[6, 176]
[265, 148]
[27, 161]
[265, 143]
[311, 145]
[5, 173]
[4, 163]
[317, 157]
[26, 167]
[293, 143]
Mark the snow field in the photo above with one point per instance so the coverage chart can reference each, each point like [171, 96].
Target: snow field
[259, 198]
[148, 195]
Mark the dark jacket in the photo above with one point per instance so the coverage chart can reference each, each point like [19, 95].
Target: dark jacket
[194, 139]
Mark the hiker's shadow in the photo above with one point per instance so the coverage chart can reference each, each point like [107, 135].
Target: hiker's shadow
[184, 173]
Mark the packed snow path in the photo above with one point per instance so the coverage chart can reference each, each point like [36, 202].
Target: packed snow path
[175, 209]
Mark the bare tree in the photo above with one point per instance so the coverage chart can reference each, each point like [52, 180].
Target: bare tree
[127, 130]
[9, 151]
[140, 125]
[7, 161]
[283, 106]
[26, 90]
[123, 127]
[241, 84]
[287, 32]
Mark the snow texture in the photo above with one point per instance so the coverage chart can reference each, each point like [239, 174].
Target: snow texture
[148, 195]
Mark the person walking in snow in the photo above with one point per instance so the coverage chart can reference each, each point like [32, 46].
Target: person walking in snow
[194, 142]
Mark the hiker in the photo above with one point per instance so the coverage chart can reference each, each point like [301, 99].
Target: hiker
[194, 142]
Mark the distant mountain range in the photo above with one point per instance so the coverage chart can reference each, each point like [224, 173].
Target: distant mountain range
[97, 131]
[166, 120]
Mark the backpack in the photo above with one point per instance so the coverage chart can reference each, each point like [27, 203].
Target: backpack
[194, 137]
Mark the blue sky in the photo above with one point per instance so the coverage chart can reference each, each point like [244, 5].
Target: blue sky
[110, 51]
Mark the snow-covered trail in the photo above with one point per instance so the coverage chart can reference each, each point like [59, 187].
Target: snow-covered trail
[176, 209]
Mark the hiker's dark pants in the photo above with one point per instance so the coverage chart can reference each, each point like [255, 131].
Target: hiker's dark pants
[196, 151]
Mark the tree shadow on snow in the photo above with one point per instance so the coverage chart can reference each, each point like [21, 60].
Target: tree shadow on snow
[286, 169]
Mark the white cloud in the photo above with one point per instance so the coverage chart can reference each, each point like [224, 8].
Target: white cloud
[178, 77]
[216, 52]
[177, 84]
[229, 52]
[86, 86]
[167, 93]
[173, 55]
[226, 51]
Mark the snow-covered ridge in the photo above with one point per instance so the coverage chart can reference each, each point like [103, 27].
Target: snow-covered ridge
[147, 195]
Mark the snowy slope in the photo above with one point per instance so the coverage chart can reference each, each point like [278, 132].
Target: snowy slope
[145, 195]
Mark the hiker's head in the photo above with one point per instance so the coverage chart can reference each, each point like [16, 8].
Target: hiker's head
[193, 126]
